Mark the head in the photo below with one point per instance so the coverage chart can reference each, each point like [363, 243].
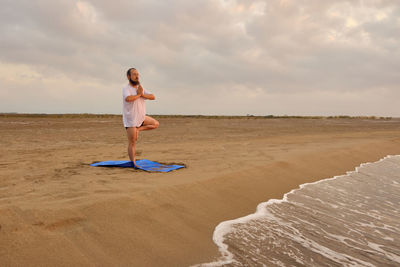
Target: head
[133, 76]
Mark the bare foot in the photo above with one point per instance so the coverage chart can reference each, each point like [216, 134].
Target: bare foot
[134, 165]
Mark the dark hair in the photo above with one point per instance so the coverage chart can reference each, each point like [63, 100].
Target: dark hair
[128, 73]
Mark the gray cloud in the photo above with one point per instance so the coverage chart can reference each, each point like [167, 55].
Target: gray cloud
[235, 57]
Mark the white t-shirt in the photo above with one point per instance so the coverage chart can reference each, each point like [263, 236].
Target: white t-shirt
[134, 112]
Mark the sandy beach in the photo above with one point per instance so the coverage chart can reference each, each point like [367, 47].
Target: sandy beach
[57, 210]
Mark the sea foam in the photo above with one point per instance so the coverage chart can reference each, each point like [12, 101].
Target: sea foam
[351, 219]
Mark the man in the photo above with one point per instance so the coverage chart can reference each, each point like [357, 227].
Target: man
[134, 111]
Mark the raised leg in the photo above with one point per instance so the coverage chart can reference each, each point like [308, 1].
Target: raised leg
[148, 124]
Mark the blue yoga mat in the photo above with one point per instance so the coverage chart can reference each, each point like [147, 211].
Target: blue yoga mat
[143, 164]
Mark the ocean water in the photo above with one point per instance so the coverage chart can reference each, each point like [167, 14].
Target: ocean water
[347, 220]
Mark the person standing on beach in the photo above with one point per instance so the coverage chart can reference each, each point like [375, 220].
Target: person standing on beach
[134, 111]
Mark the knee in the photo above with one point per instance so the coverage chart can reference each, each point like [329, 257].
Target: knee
[132, 142]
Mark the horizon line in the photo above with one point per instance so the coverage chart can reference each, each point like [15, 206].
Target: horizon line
[342, 116]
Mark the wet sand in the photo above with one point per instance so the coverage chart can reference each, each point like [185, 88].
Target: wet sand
[56, 210]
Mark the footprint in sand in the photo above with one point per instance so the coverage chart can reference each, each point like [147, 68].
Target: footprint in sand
[61, 224]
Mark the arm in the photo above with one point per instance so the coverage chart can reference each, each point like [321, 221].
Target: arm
[147, 96]
[134, 97]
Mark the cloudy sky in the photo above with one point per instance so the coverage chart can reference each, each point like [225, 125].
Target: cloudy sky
[227, 57]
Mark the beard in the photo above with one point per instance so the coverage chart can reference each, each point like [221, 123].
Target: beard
[133, 82]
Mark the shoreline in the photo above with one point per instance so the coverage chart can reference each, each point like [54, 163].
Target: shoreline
[247, 203]
[89, 216]
[224, 227]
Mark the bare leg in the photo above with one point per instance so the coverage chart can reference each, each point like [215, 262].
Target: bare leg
[148, 124]
[136, 133]
[132, 135]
